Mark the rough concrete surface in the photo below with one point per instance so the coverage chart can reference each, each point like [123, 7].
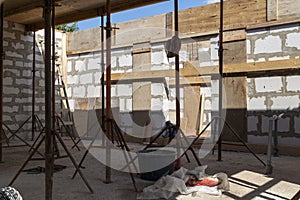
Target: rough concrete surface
[247, 179]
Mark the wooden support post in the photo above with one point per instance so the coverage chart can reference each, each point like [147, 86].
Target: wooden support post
[49, 159]
[1, 77]
[108, 90]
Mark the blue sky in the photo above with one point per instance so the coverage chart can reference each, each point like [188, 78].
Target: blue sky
[147, 11]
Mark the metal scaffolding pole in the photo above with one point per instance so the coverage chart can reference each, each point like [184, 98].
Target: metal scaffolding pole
[108, 90]
[102, 75]
[1, 75]
[33, 87]
[49, 159]
[177, 66]
[221, 50]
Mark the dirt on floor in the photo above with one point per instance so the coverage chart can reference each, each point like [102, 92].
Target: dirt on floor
[247, 179]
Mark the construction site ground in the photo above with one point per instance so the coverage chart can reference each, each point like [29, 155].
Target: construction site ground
[247, 179]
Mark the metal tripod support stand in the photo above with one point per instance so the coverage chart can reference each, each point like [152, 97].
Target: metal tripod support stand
[117, 136]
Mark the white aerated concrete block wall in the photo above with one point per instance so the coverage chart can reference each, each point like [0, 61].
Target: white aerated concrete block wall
[270, 96]
[17, 90]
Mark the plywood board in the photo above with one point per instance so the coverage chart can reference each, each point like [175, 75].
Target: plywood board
[191, 102]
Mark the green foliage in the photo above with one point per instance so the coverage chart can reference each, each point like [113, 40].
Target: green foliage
[68, 27]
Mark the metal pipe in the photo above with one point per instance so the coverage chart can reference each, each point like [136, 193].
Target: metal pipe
[33, 87]
[49, 159]
[108, 90]
[1, 75]
[177, 66]
[269, 167]
[221, 49]
[53, 67]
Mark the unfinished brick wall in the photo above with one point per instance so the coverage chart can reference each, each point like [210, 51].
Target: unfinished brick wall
[18, 77]
[274, 95]
[18, 63]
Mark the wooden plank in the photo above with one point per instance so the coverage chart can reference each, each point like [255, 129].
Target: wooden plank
[272, 10]
[235, 35]
[191, 74]
[191, 98]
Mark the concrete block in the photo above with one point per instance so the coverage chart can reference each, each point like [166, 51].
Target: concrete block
[269, 44]
[159, 58]
[25, 100]
[156, 104]
[9, 35]
[23, 82]
[13, 54]
[73, 79]
[128, 105]
[214, 51]
[124, 90]
[8, 62]
[41, 83]
[93, 91]
[206, 91]
[86, 78]
[7, 99]
[297, 124]
[69, 92]
[293, 83]
[10, 109]
[207, 104]
[285, 102]
[21, 117]
[122, 104]
[97, 77]
[7, 118]
[248, 43]
[94, 63]
[29, 108]
[7, 81]
[125, 60]
[26, 91]
[80, 66]
[284, 125]
[27, 73]
[172, 105]
[17, 46]
[5, 24]
[157, 89]
[79, 92]
[265, 124]
[113, 91]
[256, 104]
[11, 90]
[292, 40]
[69, 66]
[26, 38]
[252, 122]
[183, 56]
[269, 84]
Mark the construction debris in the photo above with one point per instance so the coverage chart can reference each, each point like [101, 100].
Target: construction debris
[180, 182]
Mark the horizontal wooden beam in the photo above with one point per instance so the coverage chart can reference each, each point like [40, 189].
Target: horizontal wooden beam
[193, 74]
